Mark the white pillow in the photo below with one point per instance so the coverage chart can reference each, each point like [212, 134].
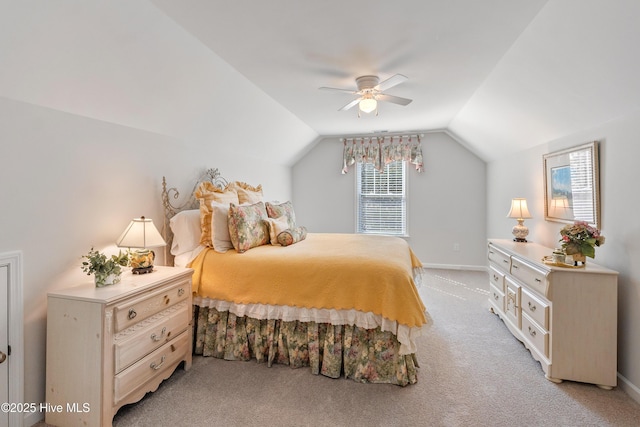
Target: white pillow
[185, 226]
[220, 236]
[277, 226]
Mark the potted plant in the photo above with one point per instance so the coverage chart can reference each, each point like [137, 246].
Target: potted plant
[580, 240]
[106, 270]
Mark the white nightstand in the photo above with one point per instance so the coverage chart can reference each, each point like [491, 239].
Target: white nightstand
[107, 347]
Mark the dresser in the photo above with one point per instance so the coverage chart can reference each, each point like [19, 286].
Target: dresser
[109, 346]
[566, 317]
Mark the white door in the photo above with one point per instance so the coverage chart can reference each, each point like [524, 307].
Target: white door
[4, 343]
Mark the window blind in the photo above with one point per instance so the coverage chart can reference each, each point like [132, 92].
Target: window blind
[381, 199]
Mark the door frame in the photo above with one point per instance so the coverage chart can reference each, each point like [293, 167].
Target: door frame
[13, 262]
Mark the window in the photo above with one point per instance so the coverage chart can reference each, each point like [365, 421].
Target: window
[381, 199]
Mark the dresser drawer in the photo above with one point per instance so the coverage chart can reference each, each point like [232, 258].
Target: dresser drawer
[136, 310]
[501, 259]
[496, 297]
[496, 278]
[144, 337]
[165, 357]
[535, 308]
[536, 336]
[533, 278]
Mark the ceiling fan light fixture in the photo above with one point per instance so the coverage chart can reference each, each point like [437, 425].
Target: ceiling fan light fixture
[368, 105]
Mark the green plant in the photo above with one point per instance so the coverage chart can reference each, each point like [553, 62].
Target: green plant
[581, 238]
[102, 266]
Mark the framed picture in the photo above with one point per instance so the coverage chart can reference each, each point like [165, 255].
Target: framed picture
[572, 185]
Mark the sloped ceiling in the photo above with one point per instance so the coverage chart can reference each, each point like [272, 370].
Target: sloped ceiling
[499, 75]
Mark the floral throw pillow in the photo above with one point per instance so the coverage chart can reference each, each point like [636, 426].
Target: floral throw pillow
[294, 235]
[283, 209]
[248, 226]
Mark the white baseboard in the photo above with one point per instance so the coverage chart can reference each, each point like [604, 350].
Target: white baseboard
[455, 267]
[628, 387]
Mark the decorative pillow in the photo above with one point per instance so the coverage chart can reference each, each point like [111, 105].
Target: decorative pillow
[295, 235]
[185, 227]
[247, 193]
[283, 209]
[207, 193]
[248, 226]
[220, 227]
[277, 226]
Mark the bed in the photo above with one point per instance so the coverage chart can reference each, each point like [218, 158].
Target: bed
[266, 289]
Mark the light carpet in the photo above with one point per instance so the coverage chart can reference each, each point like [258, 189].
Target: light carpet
[473, 372]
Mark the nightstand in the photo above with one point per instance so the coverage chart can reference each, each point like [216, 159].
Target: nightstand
[107, 347]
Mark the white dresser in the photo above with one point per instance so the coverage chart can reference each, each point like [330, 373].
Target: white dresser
[109, 346]
[566, 317]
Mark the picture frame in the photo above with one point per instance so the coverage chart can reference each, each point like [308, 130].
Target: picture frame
[572, 185]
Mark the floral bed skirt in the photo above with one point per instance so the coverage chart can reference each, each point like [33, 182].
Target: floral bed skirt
[364, 355]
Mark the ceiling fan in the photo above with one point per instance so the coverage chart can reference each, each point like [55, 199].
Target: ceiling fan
[370, 91]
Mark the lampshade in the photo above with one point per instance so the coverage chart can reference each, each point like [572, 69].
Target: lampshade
[141, 233]
[368, 104]
[519, 209]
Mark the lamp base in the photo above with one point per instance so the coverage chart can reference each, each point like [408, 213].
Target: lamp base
[517, 239]
[520, 231]
[142, 270]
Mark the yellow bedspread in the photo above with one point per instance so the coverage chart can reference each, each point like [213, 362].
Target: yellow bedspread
[331, 271]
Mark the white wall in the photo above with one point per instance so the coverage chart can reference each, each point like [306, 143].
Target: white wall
[446, 203]
[521, 175]
[97, 104]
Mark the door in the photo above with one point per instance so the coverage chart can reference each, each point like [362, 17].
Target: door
[4, 342]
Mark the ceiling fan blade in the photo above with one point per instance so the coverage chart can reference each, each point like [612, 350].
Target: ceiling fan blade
[350, 105]
[335, 89]
[391, 82]
[395, 99]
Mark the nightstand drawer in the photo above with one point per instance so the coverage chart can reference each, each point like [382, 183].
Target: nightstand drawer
[141, 339]
[535, 309]
[538, 337]
[531, 277]
[135, 376]
[501, 259]
[134, 311]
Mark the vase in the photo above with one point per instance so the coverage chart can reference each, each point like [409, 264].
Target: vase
[579, 258]
[111, 279]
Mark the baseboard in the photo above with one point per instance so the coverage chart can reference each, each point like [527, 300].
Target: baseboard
[455, 267]
[628, 387]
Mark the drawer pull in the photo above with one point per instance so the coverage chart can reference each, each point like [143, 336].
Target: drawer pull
[538, 280]
[158, 366]
[514, 266]
[496, 297]
[532, 332]
[132, 314]
[495, 278]
[180, 292]
[155, 337]
[506, 262]
[532, 307]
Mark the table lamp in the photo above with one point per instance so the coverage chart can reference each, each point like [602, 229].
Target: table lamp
[141, 234]
[519, 211]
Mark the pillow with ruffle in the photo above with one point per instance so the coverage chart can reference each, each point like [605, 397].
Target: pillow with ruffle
[277, 226]
[206, 193]
[282, 209]
[248, 226]
[291, 236]
[247, 193]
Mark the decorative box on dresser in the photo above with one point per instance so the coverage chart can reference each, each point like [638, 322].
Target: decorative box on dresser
[109, 346]
[566, 317]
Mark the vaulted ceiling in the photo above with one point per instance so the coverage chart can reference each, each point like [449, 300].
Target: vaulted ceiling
[498, 75]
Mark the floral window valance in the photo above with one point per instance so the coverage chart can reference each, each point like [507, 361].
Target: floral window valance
[380, 151]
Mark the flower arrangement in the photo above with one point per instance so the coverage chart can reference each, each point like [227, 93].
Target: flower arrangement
[102, 266]
[581, 238]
